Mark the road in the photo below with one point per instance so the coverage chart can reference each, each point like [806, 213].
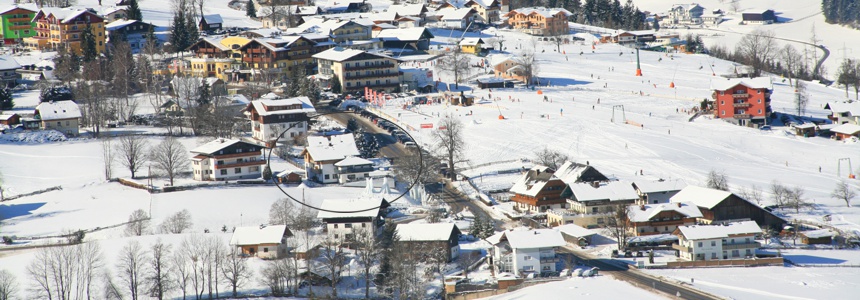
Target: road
[458, 202]
[388, 146]
[622, 271]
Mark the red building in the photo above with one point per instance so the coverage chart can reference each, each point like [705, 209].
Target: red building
[742, 101]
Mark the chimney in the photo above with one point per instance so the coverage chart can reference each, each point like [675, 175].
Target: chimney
[642, 207]
[679, 204]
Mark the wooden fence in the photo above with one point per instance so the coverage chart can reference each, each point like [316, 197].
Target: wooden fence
[757, 262]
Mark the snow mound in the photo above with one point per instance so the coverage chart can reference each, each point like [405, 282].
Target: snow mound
[33, 137]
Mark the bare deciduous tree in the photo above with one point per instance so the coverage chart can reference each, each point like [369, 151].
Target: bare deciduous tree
[276, 275]
[550, 158]
[416, 168]
[170, 157]
[617, 225]
[131, 262]
[779, 193]
[844, 192]
[466, 260]
[456, 63]
[367, 250]
[176, 223]
[334, 259]
[132, 152]
[180, 263]
[754, 194]
[8, 286]
[757, 49]
[107, 157]
[529, 64]
[65, 272]
[792, 60]
[235, 270]
[718, 181]
[801, 98]
[138, 223]
[796, 199]
[158, 279]
[450, 141]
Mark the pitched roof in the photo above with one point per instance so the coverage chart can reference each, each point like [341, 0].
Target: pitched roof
[64, 14]
[543, 11]
[119, 24]
[472, 41]
[533, 181]
[482, 3]
[333, 147]
[213, 19]
[8, 63]
[408, 9]
[570, 172]
[575, 230]
[404, 34]
[701, 196]
[425, 232]
[262, 106]
[647, 187]
[256, 235]
[847, 128]
[216, 145]
[844, 107]
[536, 238]
[706, 232]
[612, 191]
[338, 54]
[353, 161]
[349, 208]
[455, 13]
[58, 110]
[816, 234]
[25, 6]
[644, 213]
[755, 83]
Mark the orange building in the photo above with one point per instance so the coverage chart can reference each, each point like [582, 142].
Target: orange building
[63, 26]
[539, 20]
[742, 101]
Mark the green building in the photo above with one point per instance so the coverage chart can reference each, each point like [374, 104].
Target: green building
[16, 23]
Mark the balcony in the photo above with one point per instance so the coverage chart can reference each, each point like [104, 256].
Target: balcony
[548, 260]
[241, 164]
[257, 59]
[682, 248]
[369, 67]
[741, 95]
[356, 169]
[741, 116]
[742, 105]
[372, 75]
[753, 245]
[13, 20]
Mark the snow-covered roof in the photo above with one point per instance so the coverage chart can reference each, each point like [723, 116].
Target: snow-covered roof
[755, 83]
[612, 191]
[570, 172]
[63, 14]
[353, 161]
[647, 187]
[805, 125]
[6, 117]
[262, 106]
[58, 110]
[455, 13]
[408, 9]
[403, 34]
[707, 232]
[118, 24]
[686, 7]
[575, 230]
[496, 59]
[472, 41]
[701, 196]
[333, 147]
[533, 181]
[482, 3]
[847, 128]
[817, 234]
[543, 11]
[384, 26]
[213, 19]
[644, 213]
[537, 238]
[215, 145]
[843, 107]
[8, 63]
[27, 6]
[256, 235]
[349, 208]
[110, 10]
[425, 232]
[338, 54]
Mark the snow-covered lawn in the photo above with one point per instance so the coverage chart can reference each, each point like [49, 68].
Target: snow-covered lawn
[599, 287]
[771, 282]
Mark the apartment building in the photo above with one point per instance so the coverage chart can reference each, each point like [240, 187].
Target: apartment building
[16, 22]
[227, 159]
[345, 218]
[63, 116]
[742, 101]
[281, 119]
[717, 242]
[651, 219]
[57, 27]
[357, 69]
[524, 252]
[540, 21]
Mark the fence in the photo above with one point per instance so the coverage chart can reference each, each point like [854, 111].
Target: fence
[773, 261]
[54, 188]
[483, 291]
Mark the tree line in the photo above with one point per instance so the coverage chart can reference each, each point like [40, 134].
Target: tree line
[844, 12]
[604, 13]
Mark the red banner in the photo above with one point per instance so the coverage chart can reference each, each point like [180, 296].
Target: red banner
[427, 125]
[443, 127]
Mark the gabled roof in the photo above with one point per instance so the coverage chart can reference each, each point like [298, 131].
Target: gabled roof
[217, 145]
[754, 83]
[340, 54]
[333, 147]
[644, 213]
[213, 19]
[536, 238]
[405, 34]
[63, 14]
[353, 161]
[118, 24]
[647, 187]
[28, 6]
[426, 232]
[847, 128]
[575, 230]
[482, 3]
[543, 11]
[58, 110]
[262, 106]
[701, 196]
[256, 235]
[349, 208]
[212, 41]
[111, 10]
[707, 232]
[455, 13]
[844, 107]
[817, 234]
[612, 191]
[408, 9]
[8, 63]
[533, 181]
[472, 41]
[571, 172]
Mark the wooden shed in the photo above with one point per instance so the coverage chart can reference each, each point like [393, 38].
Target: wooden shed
[805, 130]
[817, 237]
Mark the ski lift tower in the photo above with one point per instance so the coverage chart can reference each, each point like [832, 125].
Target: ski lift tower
[623, 115]
[638, 67]
[839, 167]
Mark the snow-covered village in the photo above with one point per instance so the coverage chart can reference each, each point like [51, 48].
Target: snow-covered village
[429, 149]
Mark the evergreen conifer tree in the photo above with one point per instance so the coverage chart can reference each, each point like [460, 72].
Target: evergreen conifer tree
[88, 44]
[134, 11]
[250, 10]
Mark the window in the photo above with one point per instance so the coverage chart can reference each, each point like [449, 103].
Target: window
[347, 225]
[59, 123]
[759, 100]
[326, 176]
[254, 169]
[700, 244]
[363, 225]
[722, 102]
[266, 250]
[335, 235]
[713, 243]
[527, 257]
[713, 255]
[528, 268]
[723, 112]
[223, 172]
[220, 162]
[335, 225]
[237, 170]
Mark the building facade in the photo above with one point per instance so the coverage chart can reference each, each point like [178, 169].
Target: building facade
[279, 119]
[323, 152]
[357, 69]
[431, 237]
[63, 116]
[16, 23]
[540, 21]
[718, 242]
[538, 190]
[742, 101]
[651, 219]
[224, 159]
[56, 27]
[524, 252]
[345, 218]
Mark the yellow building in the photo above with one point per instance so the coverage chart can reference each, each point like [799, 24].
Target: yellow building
[472, 45]
[221, 68]
[356, 69]
[63, 26]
